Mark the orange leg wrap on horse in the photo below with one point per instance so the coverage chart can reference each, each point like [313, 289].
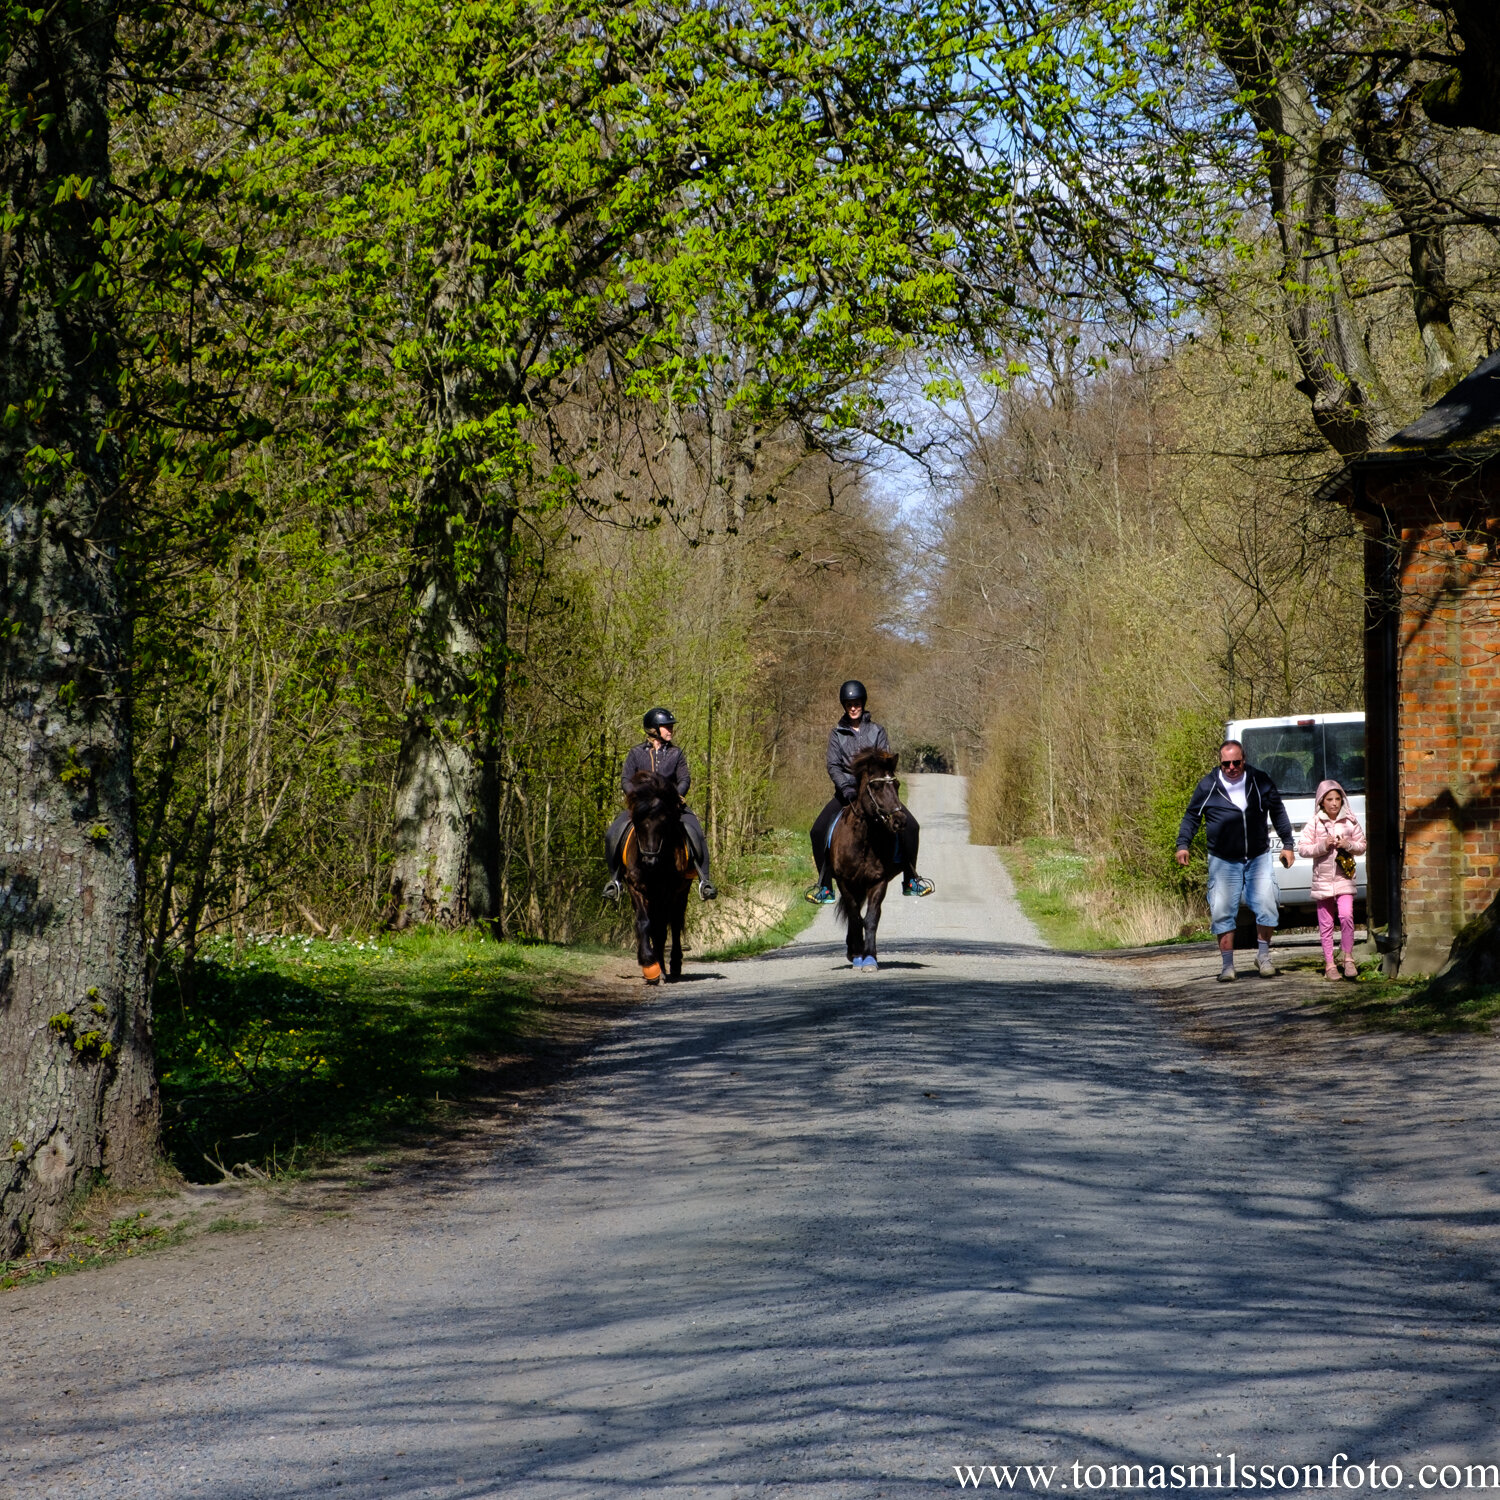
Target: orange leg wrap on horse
[651, 973]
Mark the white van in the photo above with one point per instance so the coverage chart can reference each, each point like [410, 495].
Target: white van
[1297, 753]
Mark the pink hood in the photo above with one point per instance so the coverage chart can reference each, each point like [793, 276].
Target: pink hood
[1324, 787]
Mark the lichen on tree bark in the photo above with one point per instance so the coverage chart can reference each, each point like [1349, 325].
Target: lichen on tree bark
[77, 1087]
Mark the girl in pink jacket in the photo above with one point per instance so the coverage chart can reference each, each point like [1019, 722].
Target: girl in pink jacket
[1331, 841]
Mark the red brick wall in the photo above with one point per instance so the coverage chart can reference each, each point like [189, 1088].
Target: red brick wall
[1448, 712]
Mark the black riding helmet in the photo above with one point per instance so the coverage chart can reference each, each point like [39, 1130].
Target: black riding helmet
[852, 691]
[656, 718]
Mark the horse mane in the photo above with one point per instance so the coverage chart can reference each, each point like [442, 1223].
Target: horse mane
[875, 762]
[648, 791]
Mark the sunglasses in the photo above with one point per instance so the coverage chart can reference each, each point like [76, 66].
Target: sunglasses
[1230, 765]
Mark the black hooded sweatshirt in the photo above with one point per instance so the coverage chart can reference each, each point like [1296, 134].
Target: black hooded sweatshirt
[1233, 834]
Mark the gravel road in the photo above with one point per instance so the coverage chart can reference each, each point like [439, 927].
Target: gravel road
[799, 1231]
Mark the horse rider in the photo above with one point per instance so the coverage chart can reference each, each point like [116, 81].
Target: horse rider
[856, 731]
[660, 757]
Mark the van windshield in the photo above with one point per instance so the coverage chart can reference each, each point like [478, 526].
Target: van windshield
[1298, 756]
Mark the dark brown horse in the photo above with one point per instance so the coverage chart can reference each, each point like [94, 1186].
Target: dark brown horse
[866, 851]
[658, 874]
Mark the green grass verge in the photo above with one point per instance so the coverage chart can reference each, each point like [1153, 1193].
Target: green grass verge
[1376, 1003]
[294, 1049]
[1050, 879]
[83, 1251]
[1057, 886]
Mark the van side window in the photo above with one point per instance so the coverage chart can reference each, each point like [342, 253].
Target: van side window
[1344, 755]
[1298, 756]
[1291, 756]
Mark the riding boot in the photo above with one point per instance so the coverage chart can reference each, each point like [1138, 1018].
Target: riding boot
[912, 884]
[698, 844]
[614, 845]
[821, 832]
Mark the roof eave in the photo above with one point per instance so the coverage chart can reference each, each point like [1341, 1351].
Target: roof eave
[1448, 457]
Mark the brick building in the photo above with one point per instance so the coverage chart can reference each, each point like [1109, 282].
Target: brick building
[1429, 502]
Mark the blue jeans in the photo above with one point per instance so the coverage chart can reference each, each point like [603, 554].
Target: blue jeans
[1232, 882]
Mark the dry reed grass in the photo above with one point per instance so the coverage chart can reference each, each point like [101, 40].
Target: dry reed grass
[1080, 901]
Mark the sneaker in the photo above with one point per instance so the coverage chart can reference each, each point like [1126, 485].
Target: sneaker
[917, 887]
[708, 890]
[613, 890]
[820, 895]
[1227, 976]
[1265, 968]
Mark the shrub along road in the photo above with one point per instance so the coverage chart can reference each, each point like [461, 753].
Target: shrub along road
[802, 1231]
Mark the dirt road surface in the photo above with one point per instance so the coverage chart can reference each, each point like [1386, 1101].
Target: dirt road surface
[797, 1231]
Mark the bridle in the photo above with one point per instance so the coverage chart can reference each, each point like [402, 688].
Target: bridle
[647, 856]
[887, 818]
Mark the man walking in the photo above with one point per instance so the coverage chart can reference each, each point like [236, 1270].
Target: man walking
[1235, 803]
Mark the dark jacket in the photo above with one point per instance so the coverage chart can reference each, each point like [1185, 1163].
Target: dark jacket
[845, 741]
[664, 760]
[1233, 834]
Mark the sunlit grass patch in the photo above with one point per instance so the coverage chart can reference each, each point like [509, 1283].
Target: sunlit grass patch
[84, 1246]
[1081, 901]
[1377, 1003]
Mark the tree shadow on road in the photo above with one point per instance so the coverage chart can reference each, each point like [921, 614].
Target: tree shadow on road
[844, 1237]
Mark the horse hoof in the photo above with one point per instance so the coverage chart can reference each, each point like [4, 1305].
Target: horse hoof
[651, 973]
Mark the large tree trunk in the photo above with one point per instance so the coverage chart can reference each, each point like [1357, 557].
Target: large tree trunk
[447, 795]
[77, 1088]
[446, 837]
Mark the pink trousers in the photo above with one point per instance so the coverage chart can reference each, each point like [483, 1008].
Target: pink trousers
[1325, 905]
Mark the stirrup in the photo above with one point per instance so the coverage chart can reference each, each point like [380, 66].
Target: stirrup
[613, 890]
[708, 890]
[918, 887]
[820, 895]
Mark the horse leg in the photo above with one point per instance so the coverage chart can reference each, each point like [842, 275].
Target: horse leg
[855, 944]
[650, 962]
[679, 916]
[872, 917]
[659, 918]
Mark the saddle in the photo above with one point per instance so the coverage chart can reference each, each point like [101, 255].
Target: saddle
[614, 843]
[617, 846]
